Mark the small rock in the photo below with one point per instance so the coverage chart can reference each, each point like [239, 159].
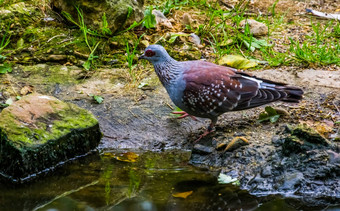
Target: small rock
[56, 58]
[266, 171]
[143, 44]
[292, 181]
[334, 157]
[186, 19]
[256, 28]
[195, 39]
[277, 140]
[161, 19]
[202, 150]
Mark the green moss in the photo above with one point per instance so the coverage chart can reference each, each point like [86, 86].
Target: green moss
[305, 133]
[46, 128]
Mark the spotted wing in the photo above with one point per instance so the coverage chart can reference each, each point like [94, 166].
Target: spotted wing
[212, 90]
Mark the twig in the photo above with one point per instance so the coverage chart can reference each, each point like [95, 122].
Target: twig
[169, 105]
[59, 35]
[337, 108]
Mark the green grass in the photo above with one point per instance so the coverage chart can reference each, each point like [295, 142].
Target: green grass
[130, 56]
[317, 49]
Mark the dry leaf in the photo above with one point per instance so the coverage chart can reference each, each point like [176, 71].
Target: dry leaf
[236, 61]
[26, 90]
[183, 195]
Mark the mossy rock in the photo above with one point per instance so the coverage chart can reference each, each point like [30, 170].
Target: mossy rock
[302, 138]
[119, 13]
[38, 133]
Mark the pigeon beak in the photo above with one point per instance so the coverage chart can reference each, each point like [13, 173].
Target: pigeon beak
[141, 57]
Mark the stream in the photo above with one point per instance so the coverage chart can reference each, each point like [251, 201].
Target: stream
[105, 181]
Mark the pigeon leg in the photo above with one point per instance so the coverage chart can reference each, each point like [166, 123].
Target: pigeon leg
[234, 141]
[184, 114]
[209, 130]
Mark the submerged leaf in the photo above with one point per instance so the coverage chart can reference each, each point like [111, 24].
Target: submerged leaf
[183, 195]
[130, 157]
[225, 179]
[236, 61]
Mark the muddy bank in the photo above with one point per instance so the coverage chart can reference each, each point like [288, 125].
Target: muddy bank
[136, 119]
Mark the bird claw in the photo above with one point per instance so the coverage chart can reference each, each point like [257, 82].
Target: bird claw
[209, 130]
[234, 141]
[183, 115]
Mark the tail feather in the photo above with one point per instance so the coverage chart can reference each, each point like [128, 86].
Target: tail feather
[294, 94]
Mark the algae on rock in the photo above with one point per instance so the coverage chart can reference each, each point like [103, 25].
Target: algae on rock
[39, 132]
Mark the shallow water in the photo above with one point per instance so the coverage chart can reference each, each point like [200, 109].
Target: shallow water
[101, 182]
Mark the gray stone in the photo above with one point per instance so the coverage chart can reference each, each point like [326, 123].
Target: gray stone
[256, 28]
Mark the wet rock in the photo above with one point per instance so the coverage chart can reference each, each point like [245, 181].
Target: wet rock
[305, 133]
[116, 11]
[266, 171]
[40, 132]
[303, 138]
[256, 28]
[292, 181]
[334, 157]
[203, 150]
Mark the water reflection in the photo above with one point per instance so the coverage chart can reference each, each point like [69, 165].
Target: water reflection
[101, 182]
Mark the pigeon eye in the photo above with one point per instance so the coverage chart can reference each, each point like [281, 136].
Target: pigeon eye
[149, 53]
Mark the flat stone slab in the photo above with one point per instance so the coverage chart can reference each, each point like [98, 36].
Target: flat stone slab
[39, 132]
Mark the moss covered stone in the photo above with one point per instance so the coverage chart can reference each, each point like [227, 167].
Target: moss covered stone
[39, 132]
[302, 138]
[118, 12]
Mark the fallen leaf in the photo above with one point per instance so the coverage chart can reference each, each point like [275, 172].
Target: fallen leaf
[9, 101]
[98, 99]
[225, 179]
[236, 61]
[174, 36]
[141, 85]
[130, 157]
[26, 90]
[183, 195]
[270, 114]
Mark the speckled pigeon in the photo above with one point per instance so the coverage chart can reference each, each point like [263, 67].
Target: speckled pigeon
[207, 90]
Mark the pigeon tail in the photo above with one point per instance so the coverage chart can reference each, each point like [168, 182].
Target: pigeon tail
[294, 94]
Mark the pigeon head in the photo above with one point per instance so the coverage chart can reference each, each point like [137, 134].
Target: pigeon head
[155, 54]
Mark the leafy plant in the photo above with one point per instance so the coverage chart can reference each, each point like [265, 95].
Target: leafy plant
[130, 55]
[82, 26]
[105, 26]
[149, 18]
[5, 68]
[5, 40]
[98, 99]
[270, 114]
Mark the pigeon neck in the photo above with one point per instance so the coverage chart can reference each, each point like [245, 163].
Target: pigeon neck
[167, 71]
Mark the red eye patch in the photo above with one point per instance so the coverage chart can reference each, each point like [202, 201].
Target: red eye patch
[149, 53]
